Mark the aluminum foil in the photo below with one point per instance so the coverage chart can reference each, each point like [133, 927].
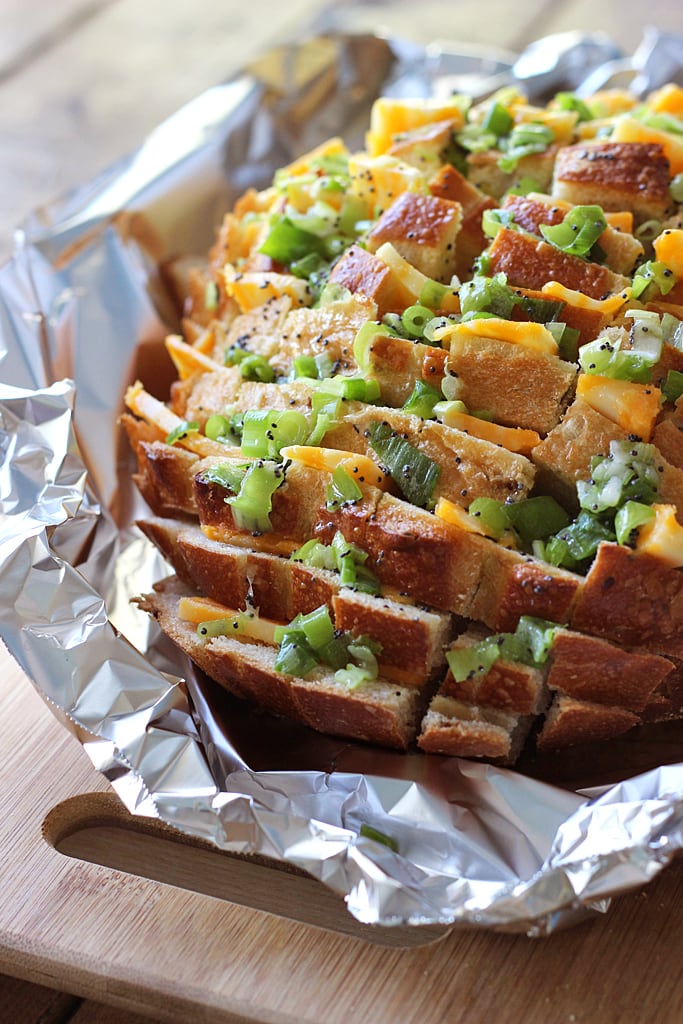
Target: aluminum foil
[84, 306]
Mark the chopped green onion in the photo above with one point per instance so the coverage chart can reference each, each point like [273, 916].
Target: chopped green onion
[537, 636]
[232, 626]
[576, 545]
[628, 473]
[344, 557]
[475, 139]
[652, 272]
[536, 518]
[252, 506]
[343, 490]
[523, 187]
[661, 122]
[629, 518]
[266, 431]
[493, 515]
[422, 400]
[352, 677]
[672, 331]
[468, 662]
[567, 339]
[672, 388]
[182, 430]
[433, 294]
[570, 101]
[648, 230]
[287, 242]
[211, 296]
[379, 837]
[305, 366]
[605, 357]
[541, 311]
[498, 120]
[234, 355]
[676, 188]
[225, 474]
[488, 294]
[414, 472]
[362, 345]
[217, 428]
[524, 140]
[414, 319]
[256, 367]
[493, 220]
[295, 657]
[578, 232]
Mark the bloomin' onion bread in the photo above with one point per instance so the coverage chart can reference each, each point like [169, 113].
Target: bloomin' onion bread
[420, 477]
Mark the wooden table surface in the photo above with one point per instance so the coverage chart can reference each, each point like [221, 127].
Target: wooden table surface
[81, 83]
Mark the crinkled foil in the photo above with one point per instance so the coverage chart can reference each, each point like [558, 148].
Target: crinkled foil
[84, 307]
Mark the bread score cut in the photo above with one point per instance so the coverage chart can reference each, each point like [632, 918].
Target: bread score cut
[440, 405]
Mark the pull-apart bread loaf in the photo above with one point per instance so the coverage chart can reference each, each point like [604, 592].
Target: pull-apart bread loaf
[420, 478]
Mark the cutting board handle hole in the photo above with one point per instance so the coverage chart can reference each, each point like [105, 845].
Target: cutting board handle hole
[96, 827]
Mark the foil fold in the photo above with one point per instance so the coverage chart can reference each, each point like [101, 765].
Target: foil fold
[84, 307]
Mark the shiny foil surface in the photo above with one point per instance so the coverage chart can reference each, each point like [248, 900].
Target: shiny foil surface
[85, 304]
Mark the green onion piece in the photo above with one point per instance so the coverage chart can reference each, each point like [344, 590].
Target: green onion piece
[493, 220]
[488, 294]
[217, 428]
[315, 554]
[211, 296]
[286, 241]
[570, 101]
[676, 188]
[256, 367]
[432, 294]
[523, 187]
[628, 473]
[653, 272]
[369, 832]
[475, 139]
[231, 626]
[493, 515]
[524, 140]
[352, 677]
[662, 122]
[182, 430]
[537, 518]
[414, 319]
[362, 344]
[414, 472]
[498, 120]
[432, 327]
[537, 636]
[422, 400]
[343, 490]
[266, 431]
[578, 232]
[605, 357]
[234, 355]
[305, 366]
[672, 331]
[252, 506]
[629, 518]
[567, 339]
[575, 546]
[310, 264]
[648, 230]
[295, 657]
[468, 662]
[541, 311]
[672, 388]
[317, 627]
[225, 474]
[236, 424]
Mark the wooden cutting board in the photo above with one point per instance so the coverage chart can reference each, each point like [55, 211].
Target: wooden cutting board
[126, 912]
